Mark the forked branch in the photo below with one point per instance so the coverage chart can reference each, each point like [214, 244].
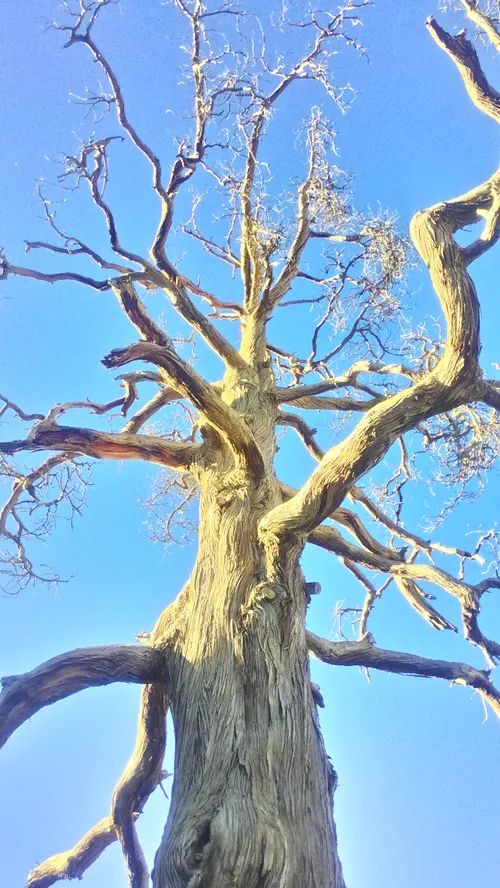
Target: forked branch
[484, 22]
[140, 777]
[454, 380]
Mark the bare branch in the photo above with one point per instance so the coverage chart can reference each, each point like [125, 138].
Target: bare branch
[291, 266]
[308, 67]
[311, 402]
[466, 59]
[7, 269]
[133, 307]
[140, 777]
[23, 695]
[102, 445]
[185, 380]
[161, 399]
[491, 395]
[26, 417]
[405, 575]
[356, 494]
[73, 863]
[87, 39]
[364, 653]
[196, 319]
[29, 497]
[453, 381]
[306, 432]
[484, 22]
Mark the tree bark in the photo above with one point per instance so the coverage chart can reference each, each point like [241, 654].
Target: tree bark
[252, 798]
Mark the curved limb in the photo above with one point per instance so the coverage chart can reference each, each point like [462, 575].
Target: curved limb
[101, 445]
[181, 376]
[73, 863]
[454, 380]
[456, 377]
[483, 21]
[465, 57]
[364, 653]
[140, 777]
[62, 676]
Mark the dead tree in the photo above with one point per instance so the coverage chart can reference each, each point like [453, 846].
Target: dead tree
[252, 801]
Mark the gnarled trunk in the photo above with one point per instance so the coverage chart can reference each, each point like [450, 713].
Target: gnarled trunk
[253, 788]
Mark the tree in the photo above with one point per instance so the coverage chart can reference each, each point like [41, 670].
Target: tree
[253, 792]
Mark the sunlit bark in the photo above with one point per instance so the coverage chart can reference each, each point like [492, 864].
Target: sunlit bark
[252, 799]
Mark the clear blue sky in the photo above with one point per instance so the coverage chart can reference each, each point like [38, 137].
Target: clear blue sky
[418, 801]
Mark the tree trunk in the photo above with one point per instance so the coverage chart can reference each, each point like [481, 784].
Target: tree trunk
[252, 796]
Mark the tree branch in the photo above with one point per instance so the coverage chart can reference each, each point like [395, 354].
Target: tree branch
[456, 377]
[466, 59]
[364, 653]
[101, 445]
[454, 380]
[356, 494]
[181, 376]
[73, 863]
[135, 310]
[140, 777]
[311, 402]
[157, 402]
[7, 269]
[291, 266]
[484, 22]
[23, 695]
[405, 575]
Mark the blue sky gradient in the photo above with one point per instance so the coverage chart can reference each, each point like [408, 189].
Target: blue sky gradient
[419, 767]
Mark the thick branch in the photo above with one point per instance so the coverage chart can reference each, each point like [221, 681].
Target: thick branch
[181, 376]
[199, 322]
[356, 494]
[311, 402]
[454, 380]
[100, 445]
[23, 695]
[140, 777]
[483, 21]
[73, 863]
[491, 395]
[134, 309]
[466, 59]
[364, 653]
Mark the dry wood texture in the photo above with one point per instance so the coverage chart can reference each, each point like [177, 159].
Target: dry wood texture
[252, 799]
